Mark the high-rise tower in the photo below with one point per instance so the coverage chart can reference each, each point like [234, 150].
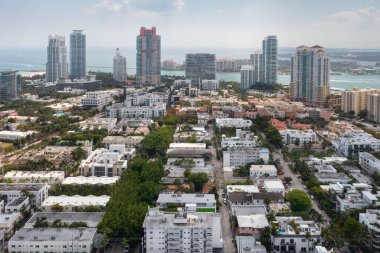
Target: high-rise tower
[56, 66]
[310, 75]
[269, 61]
[119, 67]
[77, 54]
[148, 56]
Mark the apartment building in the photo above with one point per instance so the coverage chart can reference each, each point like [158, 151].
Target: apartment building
[58, 240]
[242, 139]
[123, 111]
[181, 232]
[371, 219]
[353, 142]
[91, 219]
[210, 85]
[80, 180]
[356, 100]
[107, 123]
[73, 203]
[98, 99]
[8, 222]
[105, 162]
[12, 136]
[369, 163]
[204, 202]
[293, 234]
[129, 141]
[262, 170]
[51, 177]
[13, 191]
[231, 122]
[291, 136]
[373, 107]
[241, 156]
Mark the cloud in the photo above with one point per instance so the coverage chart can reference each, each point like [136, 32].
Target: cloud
[144, 7]
[111, 5]
[369, 15]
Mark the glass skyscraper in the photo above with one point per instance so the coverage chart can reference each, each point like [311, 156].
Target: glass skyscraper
[310, 75]
[269, 61]
[200, 67]
[148, 56]
[77, 54]
[119, 67]
[56, 66]
[9, 85]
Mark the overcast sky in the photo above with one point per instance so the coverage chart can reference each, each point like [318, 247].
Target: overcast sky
[194, 23]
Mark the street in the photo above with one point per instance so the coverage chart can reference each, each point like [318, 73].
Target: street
[297, 184]
[224, 211]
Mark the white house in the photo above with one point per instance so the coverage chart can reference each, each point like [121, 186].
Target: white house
[291, 136]
[72, 203]
[262, 170]
[274, 186]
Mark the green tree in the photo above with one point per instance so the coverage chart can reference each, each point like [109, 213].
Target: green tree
[299, 201]
[56, 208]
[78, 154]
[152, 171]
[297, 142]
[273, 136]
[198, 179]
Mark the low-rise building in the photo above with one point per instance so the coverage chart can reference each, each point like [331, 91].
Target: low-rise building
[99, 123]
[123, 111]
[8, 222]
[355, 200]
[91, 219]
[203, 202]
[98, 99]
[293, 234]
[256, 198]
[369, 162]
[51, 177]
[129, 141]
[13, 191]
[332, 178]
[274, 186]
[181, 232]
[242, 139]
[251, 224]
[371, 219]
[57, 240]
[17, 205]
[13, 136]
[241, 156]
[80, 180]
[105, 162]
[323, 168]
[74, 203]
[232, 122]
[247, 244]
[210, 85]
[354, 142]
[291, 136]
[262, 170]
[188, 150]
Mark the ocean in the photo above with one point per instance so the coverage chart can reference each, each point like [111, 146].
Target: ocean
[100, 59]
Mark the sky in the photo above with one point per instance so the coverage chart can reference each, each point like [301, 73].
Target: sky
[194, 23]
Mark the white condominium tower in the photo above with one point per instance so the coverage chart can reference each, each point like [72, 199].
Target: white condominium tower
[256, 61]
[310, 75]
[269, 61]
[56, 66]
[246, 77]
[119, 67]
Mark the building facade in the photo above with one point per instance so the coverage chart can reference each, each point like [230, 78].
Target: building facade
[210, 85]
[56, 66]
[241, 156]
[148, 56]
[181, 232]
[9, 85]
[77, 54]
[119, 67]
[310, 75]
[269, 66]
[200, 67]
[373, 107]
[356, 100]
[256, 61]
[97, 99]
[369, 163]
[246, 77]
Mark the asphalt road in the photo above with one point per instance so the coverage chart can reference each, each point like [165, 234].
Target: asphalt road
[297, 184]
[229, 246]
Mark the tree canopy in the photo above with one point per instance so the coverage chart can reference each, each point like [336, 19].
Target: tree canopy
[299, 201]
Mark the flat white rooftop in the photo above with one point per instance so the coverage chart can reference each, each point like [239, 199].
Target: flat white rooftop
[76, 200]
[90, 180]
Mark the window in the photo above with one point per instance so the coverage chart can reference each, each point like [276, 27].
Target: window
[282, 240]
[45, 246]
[303, 240]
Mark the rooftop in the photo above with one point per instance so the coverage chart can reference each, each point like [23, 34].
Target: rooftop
[186, 198]
[76, 200]
[54, 234]
[21, 186]
[67, 217]
[252, 221]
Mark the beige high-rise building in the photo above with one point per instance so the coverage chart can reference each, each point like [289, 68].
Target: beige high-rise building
[373, 107]
[356, 99]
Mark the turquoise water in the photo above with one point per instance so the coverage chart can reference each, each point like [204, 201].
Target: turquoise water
[27, 59]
